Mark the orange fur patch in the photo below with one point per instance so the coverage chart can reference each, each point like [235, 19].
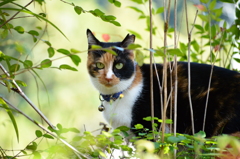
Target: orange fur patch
[138, 77]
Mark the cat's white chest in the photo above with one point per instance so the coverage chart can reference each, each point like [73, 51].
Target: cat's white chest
[119, 113]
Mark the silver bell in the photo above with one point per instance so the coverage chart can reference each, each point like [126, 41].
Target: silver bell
[101, 108]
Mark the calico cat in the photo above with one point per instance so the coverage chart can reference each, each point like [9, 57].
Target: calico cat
[119, 75]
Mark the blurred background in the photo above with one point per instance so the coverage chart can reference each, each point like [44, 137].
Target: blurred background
[64, 96]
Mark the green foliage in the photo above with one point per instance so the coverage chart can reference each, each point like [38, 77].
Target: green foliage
[211, 44]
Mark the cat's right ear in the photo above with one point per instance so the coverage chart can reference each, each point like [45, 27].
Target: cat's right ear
[129, 39]
[92, 40]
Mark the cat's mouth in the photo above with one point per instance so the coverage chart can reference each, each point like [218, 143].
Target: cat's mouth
[108, 84]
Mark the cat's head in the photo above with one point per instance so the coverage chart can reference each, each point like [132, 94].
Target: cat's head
[111, 73]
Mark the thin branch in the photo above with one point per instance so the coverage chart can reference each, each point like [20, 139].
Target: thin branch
[43, 128]
[151, 69]
[22, 94]
[15, 14]
[189, 68]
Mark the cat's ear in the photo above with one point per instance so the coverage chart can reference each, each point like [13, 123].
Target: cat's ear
[129, 39]
[92, 40]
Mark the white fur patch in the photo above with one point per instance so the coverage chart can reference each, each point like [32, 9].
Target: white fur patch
[109, 72]
[119, 113]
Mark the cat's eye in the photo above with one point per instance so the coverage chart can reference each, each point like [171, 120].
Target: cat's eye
[100, 65]
[119, 66]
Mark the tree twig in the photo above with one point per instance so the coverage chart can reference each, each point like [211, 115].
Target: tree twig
[43, 128]
[151, 69]
[189, 68]
[15, 14]
[22, 94]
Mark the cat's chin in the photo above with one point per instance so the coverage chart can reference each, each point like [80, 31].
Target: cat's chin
[111, 89]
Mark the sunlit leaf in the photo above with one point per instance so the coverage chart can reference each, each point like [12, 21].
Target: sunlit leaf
[74, 51]
[19, 29]
[78, 10]
[14, 68]
[21, 83]
[11, 116]
[51, 52]
[38, 133]
[133, 46]
[160, 10]
[33, 32]
[48, 136]
[135, 33]
[67, 67]
[138, 126]
[32, 146]
[46, 63]
[75, 59]
[64, 51]
[139, 57]
[4, 33]
[136, 9]
[28, 64]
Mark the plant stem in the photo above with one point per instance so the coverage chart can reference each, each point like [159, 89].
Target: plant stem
[151, 69]
[22, 94]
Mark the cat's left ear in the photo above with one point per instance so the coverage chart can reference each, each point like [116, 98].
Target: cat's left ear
[92, 40]
[129, 39]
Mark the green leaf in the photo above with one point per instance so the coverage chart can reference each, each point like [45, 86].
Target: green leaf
[177, 52]
[10, 114]
[78, 10]
[19, 29]
[33, 32]
[46, 63]
[14, 68]
[32, 146]
[38, 133]
[203, 17]
[139, 57]
[109, 17]
[48, 136]
[75, 51]
[67, 67]
[138, 126]
[138, 1]
[97, 12]
[64, 51]
[195, 45]
[136, 9]
[4, 33]
[96, 47]
[36, 155]
[75, 130]
[123, 128]
[204, 1]
[175, 139]
[75, 59]
[27, 64]
[115, 23]
[25, 10]
[199, 27]
[237, 59]
[51, 52]
[135, 33]
[115, 2]
[110, 51]
[133, 46]
[160, 10]
[21, 83]
[212, 5]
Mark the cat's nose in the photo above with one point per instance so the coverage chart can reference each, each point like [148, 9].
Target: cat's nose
[108, 79]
